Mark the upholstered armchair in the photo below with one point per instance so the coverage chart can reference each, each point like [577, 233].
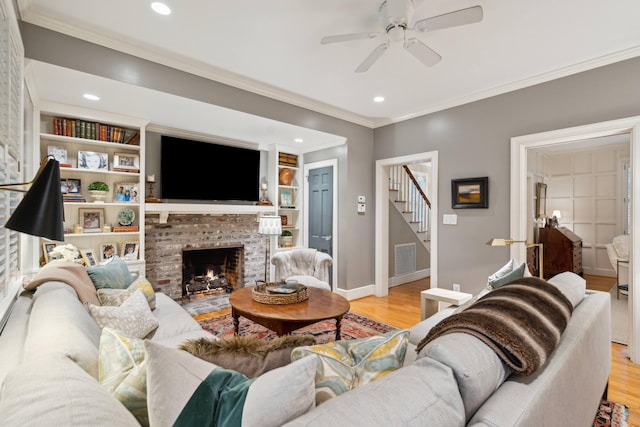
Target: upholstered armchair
[618, 252]
[308, 266]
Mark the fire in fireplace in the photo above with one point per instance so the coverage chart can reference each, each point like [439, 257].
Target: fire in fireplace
[211, 270]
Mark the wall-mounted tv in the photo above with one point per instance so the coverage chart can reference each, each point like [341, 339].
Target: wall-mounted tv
[196, 170]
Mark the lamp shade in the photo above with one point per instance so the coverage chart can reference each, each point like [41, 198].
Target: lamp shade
[41, 213]
[270, 225]
[557, 214]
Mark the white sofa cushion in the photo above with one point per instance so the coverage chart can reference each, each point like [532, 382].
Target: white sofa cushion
[422, 394]
[53, 390]
[60, 324]
[173, 320]
[571, 285]
[477, 368]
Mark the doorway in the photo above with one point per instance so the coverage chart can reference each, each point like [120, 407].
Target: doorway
[382, 217]
[519, 217]
[320, 207]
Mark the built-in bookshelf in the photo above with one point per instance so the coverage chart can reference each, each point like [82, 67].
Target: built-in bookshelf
[289, 200]
[97, 147]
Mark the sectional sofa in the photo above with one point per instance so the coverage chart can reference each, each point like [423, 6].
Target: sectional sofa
[50, 351]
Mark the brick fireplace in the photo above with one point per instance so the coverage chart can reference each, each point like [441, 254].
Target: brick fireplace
[165, 243]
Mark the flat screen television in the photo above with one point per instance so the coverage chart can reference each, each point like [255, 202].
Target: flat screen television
[196, 170]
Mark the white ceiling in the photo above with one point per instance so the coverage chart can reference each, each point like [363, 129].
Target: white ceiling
[273, 48]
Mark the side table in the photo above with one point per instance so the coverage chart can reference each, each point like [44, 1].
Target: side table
[430, 299]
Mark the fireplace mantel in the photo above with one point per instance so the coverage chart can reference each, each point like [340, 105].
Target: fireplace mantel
[164, 209]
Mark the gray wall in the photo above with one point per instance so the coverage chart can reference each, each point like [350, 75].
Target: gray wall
[474, 140]
[355, 163]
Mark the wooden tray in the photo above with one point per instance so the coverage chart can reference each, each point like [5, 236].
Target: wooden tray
[262, 295]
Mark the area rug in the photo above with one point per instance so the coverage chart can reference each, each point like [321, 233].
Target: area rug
[611, 414]
[353, 326]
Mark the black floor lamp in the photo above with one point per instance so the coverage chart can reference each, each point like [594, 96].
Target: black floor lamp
[41, 212]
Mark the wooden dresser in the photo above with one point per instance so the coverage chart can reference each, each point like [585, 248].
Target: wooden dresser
[562, 251]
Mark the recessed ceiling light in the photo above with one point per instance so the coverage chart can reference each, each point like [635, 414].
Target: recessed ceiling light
[378, 99]
[160, 8]
[299, 140]
[91, 97]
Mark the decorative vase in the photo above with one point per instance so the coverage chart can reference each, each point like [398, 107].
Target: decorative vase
[98, 195]
[286, 241]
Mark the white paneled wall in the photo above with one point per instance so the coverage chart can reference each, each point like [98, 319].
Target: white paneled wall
[586, 187]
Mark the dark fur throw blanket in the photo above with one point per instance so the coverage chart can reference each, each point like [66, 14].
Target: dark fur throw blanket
[521, 321]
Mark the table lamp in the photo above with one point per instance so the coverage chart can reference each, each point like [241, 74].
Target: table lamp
[269, 225]
[508, 242]
[41, 212]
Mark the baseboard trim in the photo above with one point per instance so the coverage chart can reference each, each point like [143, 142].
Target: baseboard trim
[361, 292]
[406, 278]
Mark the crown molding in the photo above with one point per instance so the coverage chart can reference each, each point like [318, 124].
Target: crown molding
[112, 41]
[150, 53]
[520, 84]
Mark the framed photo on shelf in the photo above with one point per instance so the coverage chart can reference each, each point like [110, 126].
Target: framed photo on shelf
[70, 186]
[91, 219]
[130, 251]
[107, 251]
[93, 160]
[286, 198]
[47, 247]
[127, 192]
[470, 193]
[89, 257]
[58, 153]
[125, 162]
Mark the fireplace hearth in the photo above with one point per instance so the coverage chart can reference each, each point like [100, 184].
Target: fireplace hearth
[216, 270]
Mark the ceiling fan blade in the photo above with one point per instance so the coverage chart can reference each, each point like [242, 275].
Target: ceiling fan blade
[452, 19]
[372, 58]
[347, 37]
[422, 52]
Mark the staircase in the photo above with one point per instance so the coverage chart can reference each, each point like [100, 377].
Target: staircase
[407, 192]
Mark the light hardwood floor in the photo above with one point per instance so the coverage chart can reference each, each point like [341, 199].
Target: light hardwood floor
[402, 309]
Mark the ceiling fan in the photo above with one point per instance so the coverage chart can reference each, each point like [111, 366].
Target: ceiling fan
[395, 16]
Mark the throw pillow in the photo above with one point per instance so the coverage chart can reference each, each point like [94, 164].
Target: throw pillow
[348, 364]
[122, 370]
[517, 273]
[505, 269]
[114, 274]
[116, 297]
[133, 317]
[247, 354]
[272, 399]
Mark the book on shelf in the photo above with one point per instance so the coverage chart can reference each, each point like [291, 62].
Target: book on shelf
[73, 198]
[285, 159]
[95, 130]
[126, 170]
[125, 228]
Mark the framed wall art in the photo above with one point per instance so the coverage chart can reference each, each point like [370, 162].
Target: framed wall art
[108, 250]
[91, 219]
[470, 193]
[89, 257]
[127, 192]
[130, 251]
[125, 162]
[93, 160]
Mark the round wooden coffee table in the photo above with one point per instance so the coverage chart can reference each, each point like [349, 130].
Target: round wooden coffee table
[285, 318]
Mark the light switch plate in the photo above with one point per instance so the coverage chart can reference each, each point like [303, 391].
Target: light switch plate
[362, 208]
[450, 219]
[361, 199]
